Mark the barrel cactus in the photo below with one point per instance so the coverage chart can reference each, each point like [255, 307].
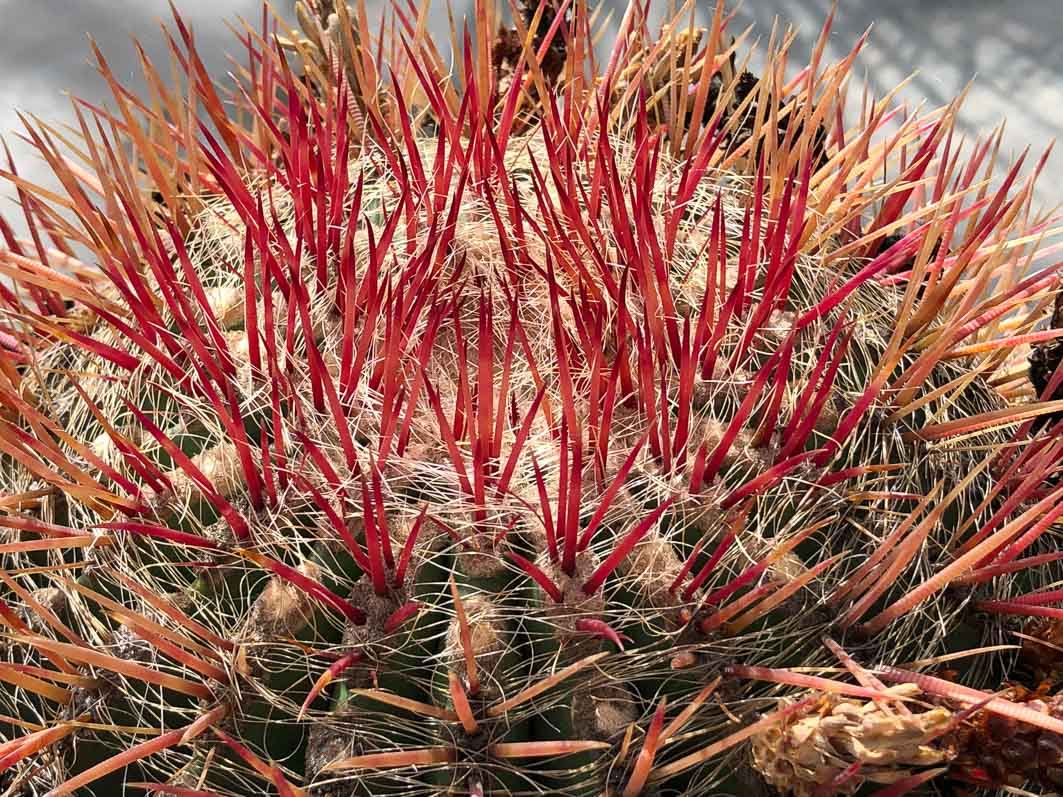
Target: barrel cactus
[531, 425]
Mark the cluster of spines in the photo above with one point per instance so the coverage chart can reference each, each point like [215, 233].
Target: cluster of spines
[160, 304]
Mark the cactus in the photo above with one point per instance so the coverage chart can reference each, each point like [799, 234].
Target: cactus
[547, 427]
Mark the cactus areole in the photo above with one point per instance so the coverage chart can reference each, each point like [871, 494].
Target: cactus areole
[540, 422]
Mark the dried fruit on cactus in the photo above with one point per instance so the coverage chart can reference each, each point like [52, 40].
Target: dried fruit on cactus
[377, 432]
[1042, 651]
[998, 750]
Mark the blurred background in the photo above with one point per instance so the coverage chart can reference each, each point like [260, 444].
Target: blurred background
[1013, 50]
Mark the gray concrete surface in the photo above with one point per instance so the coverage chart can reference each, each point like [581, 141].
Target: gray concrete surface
[1013, 49]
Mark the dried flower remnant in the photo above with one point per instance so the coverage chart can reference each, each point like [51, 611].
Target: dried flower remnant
[845, 742]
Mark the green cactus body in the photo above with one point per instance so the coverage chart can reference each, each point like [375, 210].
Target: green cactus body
[521, 433]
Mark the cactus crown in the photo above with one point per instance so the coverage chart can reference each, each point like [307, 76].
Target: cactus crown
[536, 428]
